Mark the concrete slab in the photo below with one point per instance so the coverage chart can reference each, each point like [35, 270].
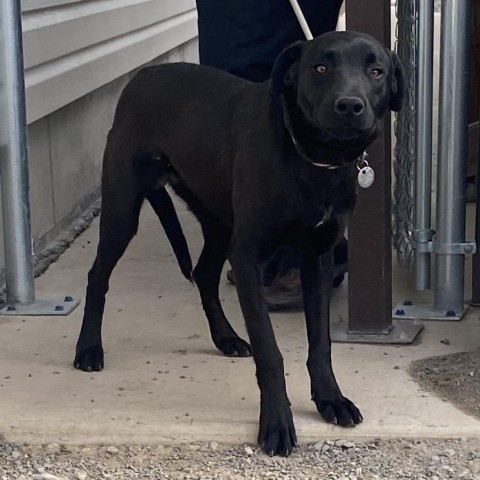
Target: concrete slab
[164, 381]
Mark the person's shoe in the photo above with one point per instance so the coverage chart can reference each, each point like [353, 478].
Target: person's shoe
[285, 291]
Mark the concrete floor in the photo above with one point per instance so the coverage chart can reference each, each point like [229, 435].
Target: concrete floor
[164, 381]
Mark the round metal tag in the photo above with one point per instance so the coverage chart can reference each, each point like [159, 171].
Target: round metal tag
[366, 176]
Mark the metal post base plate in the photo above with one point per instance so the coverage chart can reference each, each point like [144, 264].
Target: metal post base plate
[50, 307]
[401, 333]
[419, 311]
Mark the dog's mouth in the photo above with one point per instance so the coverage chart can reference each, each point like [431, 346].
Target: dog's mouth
[347, 136]
[349, 133]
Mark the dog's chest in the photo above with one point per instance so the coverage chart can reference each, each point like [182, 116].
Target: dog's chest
[319, 212]
[326, 200]
[320, 217]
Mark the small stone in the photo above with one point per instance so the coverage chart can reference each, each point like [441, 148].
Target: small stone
[348, 445]
[81, 475]
[46, 476]
[248, 451]
[319, 446]
[213, 445]
[16, 455]
[445, 341]
[113, 450]
[449, 452]
[326, 448]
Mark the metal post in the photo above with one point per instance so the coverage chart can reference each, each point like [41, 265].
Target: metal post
[452, 157]
[475, 302]
[19, 274]
[13, 159]
[474, 80]
[422, 233]
[369, 236]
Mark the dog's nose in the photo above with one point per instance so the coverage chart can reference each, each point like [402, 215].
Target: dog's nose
[349, 106]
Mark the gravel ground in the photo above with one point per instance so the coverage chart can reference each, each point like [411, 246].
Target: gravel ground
[454, 377]
[397, 459]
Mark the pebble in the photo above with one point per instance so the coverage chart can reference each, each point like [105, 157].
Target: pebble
[213, 445]
[344, 444]
[449, 452]
[248, 451]
[46, 476]
[113, 450]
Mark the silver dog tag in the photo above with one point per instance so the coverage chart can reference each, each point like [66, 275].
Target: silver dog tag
[366, 175]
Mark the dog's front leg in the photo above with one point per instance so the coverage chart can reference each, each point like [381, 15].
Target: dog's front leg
[277, 432]
[316, 274]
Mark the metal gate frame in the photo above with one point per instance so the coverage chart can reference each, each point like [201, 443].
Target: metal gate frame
[415, 235]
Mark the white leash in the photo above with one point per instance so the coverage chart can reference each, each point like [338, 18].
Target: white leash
[301, 19]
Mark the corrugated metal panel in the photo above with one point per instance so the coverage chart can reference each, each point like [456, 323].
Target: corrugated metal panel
[72, 48]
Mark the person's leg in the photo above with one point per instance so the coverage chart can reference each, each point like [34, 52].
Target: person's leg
[244, 37]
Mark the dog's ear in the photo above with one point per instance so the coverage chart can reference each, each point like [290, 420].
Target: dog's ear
[397, 84]
[285, 69]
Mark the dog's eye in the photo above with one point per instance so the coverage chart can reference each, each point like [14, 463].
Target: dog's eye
[376, 73]
[321, 69]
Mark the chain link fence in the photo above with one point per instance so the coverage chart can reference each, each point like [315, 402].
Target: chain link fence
[404, 155]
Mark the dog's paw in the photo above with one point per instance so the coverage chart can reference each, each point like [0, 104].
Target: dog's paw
[277, 432]
[234, 347]
[341, 412]
[89, 359]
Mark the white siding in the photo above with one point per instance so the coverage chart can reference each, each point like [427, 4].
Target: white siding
[72, 47]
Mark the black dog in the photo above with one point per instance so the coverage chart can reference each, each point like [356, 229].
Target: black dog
[260, 165]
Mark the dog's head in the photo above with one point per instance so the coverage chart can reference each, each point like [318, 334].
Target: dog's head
[342, 82]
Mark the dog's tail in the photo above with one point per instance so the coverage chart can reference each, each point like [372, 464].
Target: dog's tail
[162, 204]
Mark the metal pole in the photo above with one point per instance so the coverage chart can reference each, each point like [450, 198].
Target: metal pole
[14, 160]
[452, 156]
[422, 234]
[474, 80]
[369, 236]
[475, 302]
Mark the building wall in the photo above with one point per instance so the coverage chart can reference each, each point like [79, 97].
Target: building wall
[78, 55]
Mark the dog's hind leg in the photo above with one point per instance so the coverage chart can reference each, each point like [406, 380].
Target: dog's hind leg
[121, 202]
[207, 276]
[165, 210]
